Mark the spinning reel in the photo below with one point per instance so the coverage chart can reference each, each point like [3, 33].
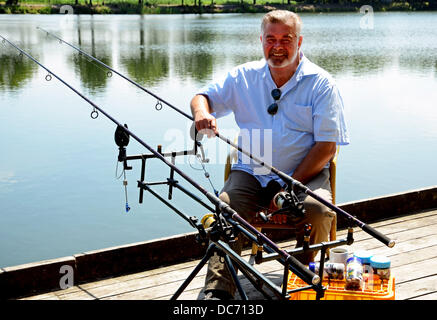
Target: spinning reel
[286, 203]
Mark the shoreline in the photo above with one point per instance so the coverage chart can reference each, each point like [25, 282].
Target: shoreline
[130, 8]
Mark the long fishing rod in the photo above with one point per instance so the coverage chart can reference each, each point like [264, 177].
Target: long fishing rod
[296, 266]
[120, 74]
[291, 183]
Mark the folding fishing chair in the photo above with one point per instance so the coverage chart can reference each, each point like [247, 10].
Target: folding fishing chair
[283, 223]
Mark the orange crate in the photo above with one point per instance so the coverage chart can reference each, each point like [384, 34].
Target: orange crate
[335, 290]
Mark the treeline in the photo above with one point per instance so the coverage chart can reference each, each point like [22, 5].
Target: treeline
[246, 5]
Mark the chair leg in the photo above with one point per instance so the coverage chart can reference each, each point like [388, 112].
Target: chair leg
[255, 246]
[332, 233]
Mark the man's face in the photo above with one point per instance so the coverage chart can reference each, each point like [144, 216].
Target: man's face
[280, 45]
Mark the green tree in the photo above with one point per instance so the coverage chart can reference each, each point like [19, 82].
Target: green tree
[11, 2]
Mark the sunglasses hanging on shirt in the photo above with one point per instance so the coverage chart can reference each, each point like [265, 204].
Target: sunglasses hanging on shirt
[273, 108]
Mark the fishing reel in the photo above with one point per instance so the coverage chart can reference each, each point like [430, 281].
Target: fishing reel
[218, 228]
[285, 203]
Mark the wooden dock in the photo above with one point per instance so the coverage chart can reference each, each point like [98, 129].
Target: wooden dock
[414, 266]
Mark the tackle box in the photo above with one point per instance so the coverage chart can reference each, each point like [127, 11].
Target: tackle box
[381, 290]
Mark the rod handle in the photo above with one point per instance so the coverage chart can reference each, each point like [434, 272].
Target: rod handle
[302, 271]
[378, 235]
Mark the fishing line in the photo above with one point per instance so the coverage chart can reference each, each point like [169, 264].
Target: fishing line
[117, 177]
[206, 173]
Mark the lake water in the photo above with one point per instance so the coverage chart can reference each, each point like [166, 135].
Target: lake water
[59, 194]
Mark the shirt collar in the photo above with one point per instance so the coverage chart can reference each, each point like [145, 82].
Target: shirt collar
[305, 68]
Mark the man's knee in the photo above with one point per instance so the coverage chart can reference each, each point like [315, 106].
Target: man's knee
[224, 196]
[316, 208]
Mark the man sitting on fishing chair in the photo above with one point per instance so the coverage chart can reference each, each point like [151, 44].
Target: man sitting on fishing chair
[299, 111]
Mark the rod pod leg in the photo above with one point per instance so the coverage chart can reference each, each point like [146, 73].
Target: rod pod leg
[209, 252]
[235, 277]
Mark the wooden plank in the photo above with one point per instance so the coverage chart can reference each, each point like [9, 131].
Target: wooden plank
[416, 270]
[430, 296]
[78, 295]
[417, 288]
[155, 284]
[393, 229]
[45, 296]
[193, 293]
[152, 283]
[155, 291]
[404, 218]
[415, 255]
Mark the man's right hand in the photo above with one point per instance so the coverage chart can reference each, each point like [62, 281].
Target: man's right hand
[204, 121]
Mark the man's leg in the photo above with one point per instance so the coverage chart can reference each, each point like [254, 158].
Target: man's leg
[317, 214]
[241, 192]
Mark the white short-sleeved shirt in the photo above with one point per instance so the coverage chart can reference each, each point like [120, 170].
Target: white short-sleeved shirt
[310, 109]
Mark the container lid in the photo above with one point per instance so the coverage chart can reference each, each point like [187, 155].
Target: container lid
[364, 255]
[380, 262]
[353, 258]
[312, 266]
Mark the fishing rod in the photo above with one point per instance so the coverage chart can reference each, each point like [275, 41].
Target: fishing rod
[120, 74]
[222, 207]
[291, 183]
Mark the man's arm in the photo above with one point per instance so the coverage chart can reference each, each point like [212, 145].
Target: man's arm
[316, 159]
[201, 111]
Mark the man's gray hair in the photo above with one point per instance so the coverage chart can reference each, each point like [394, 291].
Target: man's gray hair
[282, 16]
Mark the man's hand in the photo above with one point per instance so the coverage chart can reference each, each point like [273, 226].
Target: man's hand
[204, 121]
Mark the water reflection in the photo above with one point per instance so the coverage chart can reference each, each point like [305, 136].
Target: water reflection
[15, 71]
[356, 65]
[195, 59]
[147, 66]
[93, 77]
[419, 63]
[145, 58]
[151, 51]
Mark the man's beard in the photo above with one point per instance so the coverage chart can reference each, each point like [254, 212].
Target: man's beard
[275, 63]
